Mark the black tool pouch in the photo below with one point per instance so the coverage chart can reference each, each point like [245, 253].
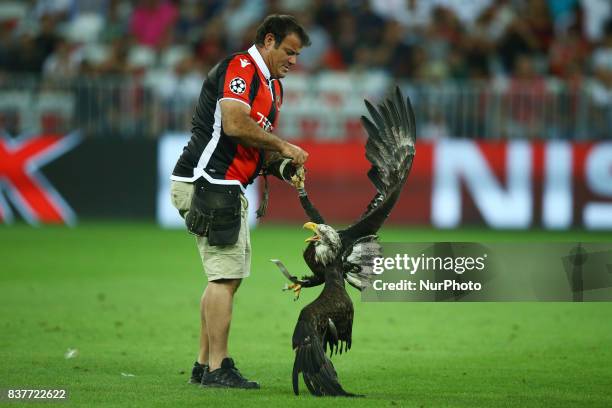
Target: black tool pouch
[215, 213]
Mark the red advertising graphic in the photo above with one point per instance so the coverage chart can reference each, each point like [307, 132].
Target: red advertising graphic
[22, 183]
[508, 185]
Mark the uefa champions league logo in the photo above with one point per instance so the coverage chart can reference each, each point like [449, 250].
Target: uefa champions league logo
[237, 85]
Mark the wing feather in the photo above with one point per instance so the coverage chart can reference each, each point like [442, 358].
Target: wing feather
[390, 149]
[391, 133]
[358, 262]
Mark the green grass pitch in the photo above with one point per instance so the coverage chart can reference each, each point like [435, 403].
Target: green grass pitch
[126, 296]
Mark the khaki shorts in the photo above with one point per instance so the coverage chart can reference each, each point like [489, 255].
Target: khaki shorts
[220, 262]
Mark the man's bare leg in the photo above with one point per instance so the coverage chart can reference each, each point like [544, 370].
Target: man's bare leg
[218, 302]
[203, 354]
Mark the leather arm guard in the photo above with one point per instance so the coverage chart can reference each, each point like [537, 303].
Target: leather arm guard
[283, 169]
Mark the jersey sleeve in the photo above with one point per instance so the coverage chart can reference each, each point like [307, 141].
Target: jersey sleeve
[238, 80]
[278, 101]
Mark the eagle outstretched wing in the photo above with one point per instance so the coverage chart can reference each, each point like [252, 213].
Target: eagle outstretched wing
[390, 149]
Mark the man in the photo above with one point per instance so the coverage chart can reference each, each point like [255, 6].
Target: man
[232, 140]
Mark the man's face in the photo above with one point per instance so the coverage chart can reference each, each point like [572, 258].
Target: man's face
[282, 58]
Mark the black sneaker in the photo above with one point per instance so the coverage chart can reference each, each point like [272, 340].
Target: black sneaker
[227, 376]
[197, 372]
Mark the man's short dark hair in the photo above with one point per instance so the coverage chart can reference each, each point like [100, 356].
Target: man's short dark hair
[281, 25]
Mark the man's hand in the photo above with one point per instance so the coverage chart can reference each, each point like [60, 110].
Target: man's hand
[297, 155]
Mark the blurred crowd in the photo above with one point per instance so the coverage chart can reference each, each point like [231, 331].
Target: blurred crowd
[175, 42]
[416, 39]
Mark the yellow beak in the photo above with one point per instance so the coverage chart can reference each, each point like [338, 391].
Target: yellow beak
[314, 228]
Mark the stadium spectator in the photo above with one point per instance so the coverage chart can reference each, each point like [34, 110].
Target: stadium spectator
[467, 12]
[48, 37]
[391, 54]
[25, 56]
[602, 86]
[115, 24]
[568, 51]
[237, 16]
[178, 90]
[64, 63]
[58, 10]
[540, 23]
[231, 139]
[347, 39]
[562, 11]
[419, 64]
[595, 15]
[525, 101]
[212, 45]
[194, 17]
[116, 62]
[92, 6]
[502, 15]
[370, 26]
[602, 57]
[443, 33]
[414, 15]
[531, 32]
[6, 32]
[491, 25]
[313, 57]
[152, 22]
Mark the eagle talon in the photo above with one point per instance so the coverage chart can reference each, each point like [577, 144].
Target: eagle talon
[296, 287]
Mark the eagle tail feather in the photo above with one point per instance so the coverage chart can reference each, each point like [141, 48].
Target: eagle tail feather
[317, 369]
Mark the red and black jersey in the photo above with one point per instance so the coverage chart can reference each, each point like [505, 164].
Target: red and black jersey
[211, 153]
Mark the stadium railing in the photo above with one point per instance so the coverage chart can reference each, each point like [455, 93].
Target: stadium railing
[325, 106]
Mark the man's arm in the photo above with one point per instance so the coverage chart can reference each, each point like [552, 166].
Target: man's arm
[238, 123]
[272, 156]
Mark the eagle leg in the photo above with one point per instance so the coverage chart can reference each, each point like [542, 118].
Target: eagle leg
[296, 284]
[296, 287]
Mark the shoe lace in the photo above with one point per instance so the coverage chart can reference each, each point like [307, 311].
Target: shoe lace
[237, 373]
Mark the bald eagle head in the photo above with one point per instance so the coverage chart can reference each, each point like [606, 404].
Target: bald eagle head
[326, 242]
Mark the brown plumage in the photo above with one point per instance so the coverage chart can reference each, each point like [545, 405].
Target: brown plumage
[335, 256]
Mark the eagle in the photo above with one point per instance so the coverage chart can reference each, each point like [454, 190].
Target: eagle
[346, 255]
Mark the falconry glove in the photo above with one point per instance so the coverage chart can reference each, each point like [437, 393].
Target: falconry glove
[285, 170]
